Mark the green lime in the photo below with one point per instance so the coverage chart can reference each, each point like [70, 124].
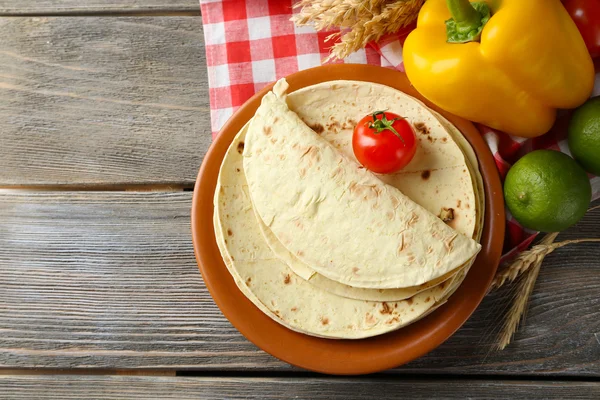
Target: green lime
[547, 191]
[584, 135]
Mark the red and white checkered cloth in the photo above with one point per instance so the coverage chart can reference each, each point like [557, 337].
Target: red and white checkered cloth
[251, 43]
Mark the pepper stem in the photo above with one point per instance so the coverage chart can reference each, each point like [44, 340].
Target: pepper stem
[467, 22]
[463, 13]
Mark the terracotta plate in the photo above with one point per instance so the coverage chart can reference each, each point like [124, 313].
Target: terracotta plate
[344, 356]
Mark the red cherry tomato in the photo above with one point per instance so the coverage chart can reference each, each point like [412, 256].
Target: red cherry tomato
[586, 14]
[384, 142]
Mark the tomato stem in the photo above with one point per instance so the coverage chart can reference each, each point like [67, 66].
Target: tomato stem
[380, 125]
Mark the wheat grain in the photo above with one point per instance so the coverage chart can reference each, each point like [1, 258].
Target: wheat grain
[528, 258]
[361, 21]
[516, 313]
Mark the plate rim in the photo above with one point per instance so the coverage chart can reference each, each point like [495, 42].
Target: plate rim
[420, 337]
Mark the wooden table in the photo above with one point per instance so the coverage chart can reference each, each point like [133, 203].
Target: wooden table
[104, 120]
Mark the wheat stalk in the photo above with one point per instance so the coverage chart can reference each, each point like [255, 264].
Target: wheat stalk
[528, 263]
[362, 21]
[524, 261]
[516, 313]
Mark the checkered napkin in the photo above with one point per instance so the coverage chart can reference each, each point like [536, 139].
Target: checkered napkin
[251, 43]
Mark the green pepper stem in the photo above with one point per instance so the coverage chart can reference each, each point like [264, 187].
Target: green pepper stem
[464, 13]
[467, 22]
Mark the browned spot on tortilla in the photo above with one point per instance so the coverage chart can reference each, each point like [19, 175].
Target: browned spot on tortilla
[267, 130]
[351, 121]
[409, 301]
[281, 157]
[324, 320]
[294, 309]
[225, 241]
[392, 320]
[401, 246]
[411, 258]
[336, 172]
[335, 86]
[349, 326]
[356, 189]
[443, 284]
[430, 138]
[300, 253]
[318, 128]
[298, 223]
[395, 202]
[412, 310]
[369, 319]
[355, 270]
[237, 170]
[390, 215]
[396, 305]
[428, 299]
[287, 279]
[273, 140]
[240, 147]
[376, 191]
[413, 219]
[302, 172]
[276, 312]
[232, 258]
[295, 146]
[444, 139]
[429, 250]
[458, 203]
[447, 214]
[275, 119]
[385, 308]
[248, 281]
[450, 243]
[313, 154]
[421, 128]
[334, 126]
[467, 206]
[272, 302]
[425, 175]
[229, 232]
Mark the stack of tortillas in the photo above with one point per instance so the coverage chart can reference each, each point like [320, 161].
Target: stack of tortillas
[324, 246]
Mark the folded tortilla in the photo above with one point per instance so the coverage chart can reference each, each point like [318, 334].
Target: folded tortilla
[450, 187]
[336, 217]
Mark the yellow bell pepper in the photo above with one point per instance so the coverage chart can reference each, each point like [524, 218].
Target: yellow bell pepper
[510, 70]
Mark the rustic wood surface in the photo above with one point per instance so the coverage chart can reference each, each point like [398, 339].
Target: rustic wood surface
[105, 282]
[109, 280]
[98, 101]
[92, 387]
[58, 7]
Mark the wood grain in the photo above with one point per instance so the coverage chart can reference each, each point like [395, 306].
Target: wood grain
[67, 7]
[109, 280]
[102, 101]
[93, 387]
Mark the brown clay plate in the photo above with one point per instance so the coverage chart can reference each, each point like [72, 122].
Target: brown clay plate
[344, 356]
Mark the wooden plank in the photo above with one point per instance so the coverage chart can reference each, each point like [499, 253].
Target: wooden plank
[66, 7]
[102, 101]
[108, 387]
[109, 280]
